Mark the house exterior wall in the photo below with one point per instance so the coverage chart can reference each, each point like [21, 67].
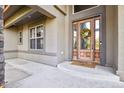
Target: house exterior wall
[54, 40]
[24, 45]
[59, 26]
[110, 32]
[63, 7]
[120, 71]
[89, 13]
[115, 39]
[50, 43]
[51, 35]
[67, 33]
[58, 36]
[10, 45]
[109, 35]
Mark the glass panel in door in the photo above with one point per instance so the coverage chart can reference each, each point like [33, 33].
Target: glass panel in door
[75, 41]
[85, 43]
[97, 41]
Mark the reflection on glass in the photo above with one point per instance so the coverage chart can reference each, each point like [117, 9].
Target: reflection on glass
[85, 33]
[32, 43]
[75, 36]
[39, 43]
[96, 34]
[40, 31]
[96, 24]
[32, 33]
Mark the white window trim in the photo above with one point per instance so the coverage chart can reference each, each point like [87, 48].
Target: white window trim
[37, 37]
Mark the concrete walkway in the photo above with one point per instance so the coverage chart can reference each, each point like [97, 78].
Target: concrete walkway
[36, 75]
[98, 73]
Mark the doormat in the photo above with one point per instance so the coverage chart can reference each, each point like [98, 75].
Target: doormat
[84, 64]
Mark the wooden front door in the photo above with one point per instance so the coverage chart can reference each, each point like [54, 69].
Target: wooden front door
[86, 39]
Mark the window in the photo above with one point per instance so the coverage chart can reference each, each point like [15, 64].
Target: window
[37, 37]
[20, 37]
[97, 29]
[78, 8]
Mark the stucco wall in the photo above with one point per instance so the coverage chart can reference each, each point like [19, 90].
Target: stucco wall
[109, 35]
[10, 39]
[50, 41]
[59, 28]
[66, 36]
[24, 45]
[121, 41]
[10, 42]
[54, 39]
[49, 60]
[60, 19]
[57, 35]
[115, 65]
[63, 7]
[51, 35]
[51, 29]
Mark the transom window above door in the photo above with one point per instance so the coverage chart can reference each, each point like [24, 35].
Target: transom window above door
[78, 8]
[37, 37]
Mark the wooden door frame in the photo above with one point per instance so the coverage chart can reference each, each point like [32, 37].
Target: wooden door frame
[79, 43]
[95, 12]
[92, 45]
[96, 18]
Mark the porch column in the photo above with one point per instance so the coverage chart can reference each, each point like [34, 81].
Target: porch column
[121, 42]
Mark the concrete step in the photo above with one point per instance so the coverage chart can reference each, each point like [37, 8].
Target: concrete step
[100, 72]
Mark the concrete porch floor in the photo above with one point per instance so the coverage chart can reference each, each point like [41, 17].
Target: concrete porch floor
[27, 74]
[98, 73]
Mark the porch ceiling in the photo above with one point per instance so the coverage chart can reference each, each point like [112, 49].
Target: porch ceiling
[20, 14]
[32, 17]
[15, 15]
[43, 10]
[11, 10]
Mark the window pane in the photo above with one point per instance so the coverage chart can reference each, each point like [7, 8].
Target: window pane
[20, 37]
[78, 8]
[85, 33]
[96, 24]
[40, 32]
[40, 43]
[20, 40]
[97, 34]
[75, 29]
[32, 33]
[20, 34]
[32, 43]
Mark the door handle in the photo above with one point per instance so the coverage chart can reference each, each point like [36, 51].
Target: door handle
[100, 42]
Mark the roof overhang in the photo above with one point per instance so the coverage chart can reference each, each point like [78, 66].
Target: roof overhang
[43, 10]
[17, 13]
[13, 18]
